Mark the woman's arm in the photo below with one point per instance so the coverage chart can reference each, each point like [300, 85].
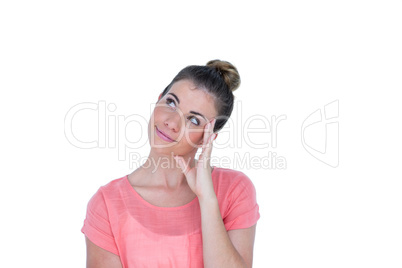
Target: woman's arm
[97, 257]
[222, 248]
[243, 241]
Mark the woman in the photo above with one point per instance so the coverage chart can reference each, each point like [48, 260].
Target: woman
[175, 211]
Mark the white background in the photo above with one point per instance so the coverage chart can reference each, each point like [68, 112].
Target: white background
[294, 57]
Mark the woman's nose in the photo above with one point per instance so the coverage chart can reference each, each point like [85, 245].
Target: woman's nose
[174, 121]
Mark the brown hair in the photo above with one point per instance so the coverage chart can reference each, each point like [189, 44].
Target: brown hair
[220, 79]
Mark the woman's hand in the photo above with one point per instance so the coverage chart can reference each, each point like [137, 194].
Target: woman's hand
[199, 177]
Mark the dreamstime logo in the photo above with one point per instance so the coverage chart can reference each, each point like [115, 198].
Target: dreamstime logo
[253, 132]
[320, 134]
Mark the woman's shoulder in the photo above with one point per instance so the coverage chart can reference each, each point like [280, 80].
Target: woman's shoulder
[236, 196]
[230, 178]
[107, 194]
[114, 186]
[230, 174]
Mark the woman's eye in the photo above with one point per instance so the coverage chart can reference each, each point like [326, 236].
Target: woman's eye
[194, 120]
[170, 102]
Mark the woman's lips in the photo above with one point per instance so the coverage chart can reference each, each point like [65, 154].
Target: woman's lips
[163, 136]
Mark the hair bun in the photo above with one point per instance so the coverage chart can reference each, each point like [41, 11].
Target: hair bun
[228, 72]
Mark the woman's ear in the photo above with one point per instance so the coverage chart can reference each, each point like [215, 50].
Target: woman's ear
[160, 96]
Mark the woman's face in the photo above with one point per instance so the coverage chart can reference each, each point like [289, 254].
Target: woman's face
[178, 121]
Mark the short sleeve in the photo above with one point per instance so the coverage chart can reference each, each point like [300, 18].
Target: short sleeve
[243, 210]
[97, 225]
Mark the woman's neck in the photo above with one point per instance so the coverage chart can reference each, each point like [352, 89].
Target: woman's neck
[163, 171]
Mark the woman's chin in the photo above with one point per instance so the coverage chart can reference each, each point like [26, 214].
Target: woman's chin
[164, 149]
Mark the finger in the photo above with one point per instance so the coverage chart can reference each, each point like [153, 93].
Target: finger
[207, 150]
[208, 132]
[209, 146]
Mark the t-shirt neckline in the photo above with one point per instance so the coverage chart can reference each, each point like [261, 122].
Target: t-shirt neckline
[142, 200]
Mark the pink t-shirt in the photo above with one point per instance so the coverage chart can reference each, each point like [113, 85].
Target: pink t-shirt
[143, 235]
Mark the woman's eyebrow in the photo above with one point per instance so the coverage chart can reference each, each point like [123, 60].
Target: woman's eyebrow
[196, 113]
[193, 112]
[174, 95]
